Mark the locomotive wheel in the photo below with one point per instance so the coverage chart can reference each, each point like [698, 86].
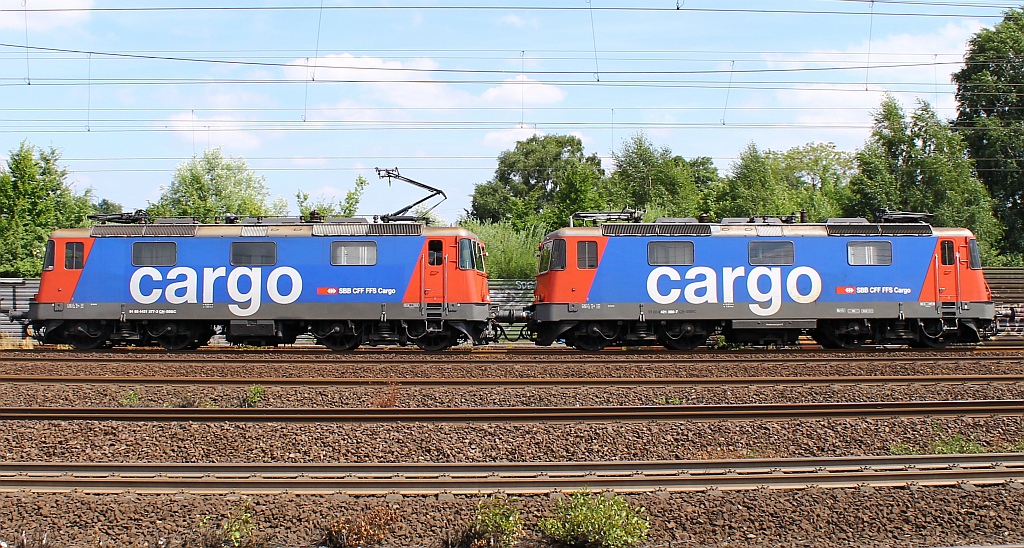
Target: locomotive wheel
[82, 337]
[684, 337]
[830, 337]
[435, 341]
[590, 343]
[342, 342]
[172, 335]
[927, 340]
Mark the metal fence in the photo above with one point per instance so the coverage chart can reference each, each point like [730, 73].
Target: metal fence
[14, 295]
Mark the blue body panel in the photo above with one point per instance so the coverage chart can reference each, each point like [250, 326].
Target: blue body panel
[107, 276]
[623, 273]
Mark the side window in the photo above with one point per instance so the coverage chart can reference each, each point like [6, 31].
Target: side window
[435, 252]
[466, 256]
[670, 253]
[74, 255]
[48, 258]
[975, 262]
[586, 255]
[545, 258]
[154, 254]
[558, 254]
[948, 257]
[253, 253]
[353, 253]
[869, 253]
[478, 255]
[776, 253]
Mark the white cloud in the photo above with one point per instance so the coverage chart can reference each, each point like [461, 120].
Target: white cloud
[507, 138]
[522, 90]
[409, 84]
[213, 131]
[12, 16]
[518, 22]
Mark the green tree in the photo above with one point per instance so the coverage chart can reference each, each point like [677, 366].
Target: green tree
[35, 199]
[527, 178]
[756, 187]
[990, 116]
[210, 186]
[654, 179]
[106, 207]
[577, 191]
[818, 176]
[920, 164]
[329, 208]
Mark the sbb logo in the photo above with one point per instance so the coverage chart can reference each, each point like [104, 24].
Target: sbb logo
[707, 289]
[185, 288]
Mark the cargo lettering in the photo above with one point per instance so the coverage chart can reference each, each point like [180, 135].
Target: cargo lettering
[184, 286]
[705, 287]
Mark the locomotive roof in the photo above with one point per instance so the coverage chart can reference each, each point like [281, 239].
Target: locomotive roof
[763, 228]
[274, 230]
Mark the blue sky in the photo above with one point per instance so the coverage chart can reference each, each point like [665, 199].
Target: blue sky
[313, 95]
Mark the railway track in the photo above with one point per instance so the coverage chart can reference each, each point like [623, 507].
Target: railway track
[672, 413]
[496, 359]
[519, 478]
[543, 382]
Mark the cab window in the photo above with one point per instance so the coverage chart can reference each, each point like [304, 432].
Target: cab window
[586, 255]
[435, 252]
[947, 253]
[48, 258]
[478, 256]
[975, 261]
[467, 259]
[74, 255]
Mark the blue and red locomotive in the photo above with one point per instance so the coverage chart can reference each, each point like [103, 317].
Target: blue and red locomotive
[678, 282]
[346, 282]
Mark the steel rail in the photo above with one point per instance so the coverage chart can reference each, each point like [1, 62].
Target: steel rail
[668, 413]
[459, 478]
[517, 382]
[588, 360]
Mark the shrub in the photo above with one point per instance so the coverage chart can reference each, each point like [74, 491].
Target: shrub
[497, 523]
[586, 519]
[367, 529]
[253, 396]
[130, 399]
[236, 531]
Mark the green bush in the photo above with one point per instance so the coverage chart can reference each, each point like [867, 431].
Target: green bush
[511, 252]
[592, 520]
[497, 523]
[238, 530]
[253, 396]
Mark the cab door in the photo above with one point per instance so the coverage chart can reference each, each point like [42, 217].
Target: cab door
[434, 278]
[946, 263]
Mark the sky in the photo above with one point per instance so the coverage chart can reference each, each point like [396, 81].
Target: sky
[313, 93]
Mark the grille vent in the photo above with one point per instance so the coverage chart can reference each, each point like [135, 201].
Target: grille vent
[655, 229]
[365, 229]
[152, 231]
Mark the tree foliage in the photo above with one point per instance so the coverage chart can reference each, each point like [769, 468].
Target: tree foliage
[35, 199]
[990, 116]
[920, 164]
[330, 208]
[213, 185]
[528, 178]
[651, 178]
